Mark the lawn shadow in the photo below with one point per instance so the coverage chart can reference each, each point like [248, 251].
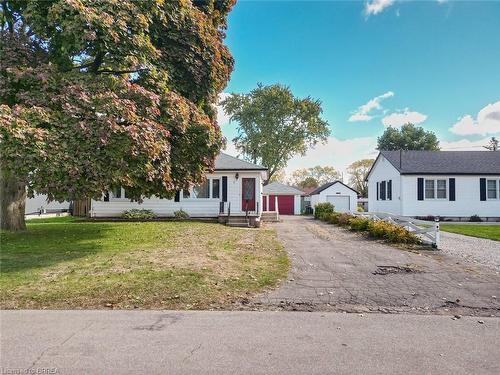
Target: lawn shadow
[46, 244]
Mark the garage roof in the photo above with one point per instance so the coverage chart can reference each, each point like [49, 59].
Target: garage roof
[327, 185]
[278, 188]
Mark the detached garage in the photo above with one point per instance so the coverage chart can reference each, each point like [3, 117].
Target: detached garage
[287, 198]
[343, 197]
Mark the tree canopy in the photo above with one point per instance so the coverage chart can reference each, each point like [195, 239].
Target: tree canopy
[101, 94]
[314, 176]
[274, 125]
[409, 137]
[358, 171]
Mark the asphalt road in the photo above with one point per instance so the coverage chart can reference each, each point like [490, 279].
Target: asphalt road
[241, 342]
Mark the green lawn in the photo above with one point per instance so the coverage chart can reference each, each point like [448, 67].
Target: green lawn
[491, 232]
[67, 263]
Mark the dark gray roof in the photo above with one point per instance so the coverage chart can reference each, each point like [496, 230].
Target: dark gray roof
[444, 162]
[225, 162]
[327, 185]
[279, 188]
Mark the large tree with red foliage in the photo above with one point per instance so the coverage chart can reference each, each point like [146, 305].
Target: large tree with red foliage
[100, 94]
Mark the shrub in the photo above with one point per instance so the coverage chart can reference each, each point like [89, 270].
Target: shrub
[360, 209]
[138, 214]
[331, 218]
[359, 224]
[344, 220]
[391, 232]
[321, 209]
[475, 218]
[181, 214]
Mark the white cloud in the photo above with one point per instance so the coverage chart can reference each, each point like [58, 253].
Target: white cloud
[374, 7]
[486, 122]
[363, 112]
[398, 119]
[465, 145]
[222, 118]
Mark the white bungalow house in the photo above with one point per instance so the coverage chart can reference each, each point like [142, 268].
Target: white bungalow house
[343, 197]
[235, 188]
[449, 184]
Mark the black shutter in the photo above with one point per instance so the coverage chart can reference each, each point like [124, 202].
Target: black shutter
[389, 190]
[452, 189]
[177, 196]
[420, 189]
[224, 188]
[382, 190]
[377, 190]
[482, 189]
[106, 196]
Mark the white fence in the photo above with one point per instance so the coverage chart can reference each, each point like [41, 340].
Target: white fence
[429, 231]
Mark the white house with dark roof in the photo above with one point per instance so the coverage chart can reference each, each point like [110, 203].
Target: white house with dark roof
[234, 187]
[344, 198]
[454, 184]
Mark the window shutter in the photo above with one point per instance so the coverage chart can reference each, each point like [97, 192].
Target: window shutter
[451, 185]
[389, 190]
[420, 189]
[482, 189]
[177, 196]
[377, 190]
[106, 196]
[224, 188]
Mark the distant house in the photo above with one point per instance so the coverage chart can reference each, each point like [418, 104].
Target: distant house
[287, 198]
[39, 204]
[343, 197]
[455, 184]
[234, 187]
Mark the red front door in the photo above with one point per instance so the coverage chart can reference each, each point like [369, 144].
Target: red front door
[248, 194]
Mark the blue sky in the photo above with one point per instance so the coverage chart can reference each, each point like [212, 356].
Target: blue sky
[373, 64]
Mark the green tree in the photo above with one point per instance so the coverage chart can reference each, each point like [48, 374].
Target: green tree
[409, 137]
[279, 176]
[274, 126]
[492, 144]
[358, 171]
[314, 176]
[96, 94]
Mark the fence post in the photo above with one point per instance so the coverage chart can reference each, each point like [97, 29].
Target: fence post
[436, 233]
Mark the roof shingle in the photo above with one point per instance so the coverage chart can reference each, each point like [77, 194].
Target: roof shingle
[225, 162]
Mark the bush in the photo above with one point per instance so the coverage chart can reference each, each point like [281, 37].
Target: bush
[344, 220]
[475, 219]
[331, 218]
[322, 209]
[359, 224]
[360, 209]
[181, 214]
[391, 233]
[138, 214]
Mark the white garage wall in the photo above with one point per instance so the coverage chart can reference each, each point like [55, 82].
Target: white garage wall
[34, 204]
[336, 189]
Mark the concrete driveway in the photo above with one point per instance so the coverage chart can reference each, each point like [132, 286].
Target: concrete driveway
[336, 270]
[243, 342]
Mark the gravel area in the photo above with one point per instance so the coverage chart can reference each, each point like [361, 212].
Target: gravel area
[472, 249]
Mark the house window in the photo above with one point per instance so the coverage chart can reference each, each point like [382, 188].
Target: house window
[117, 192]
[201, 191]
[215, 188]
[441, 189]
[435, 189]
[492, 189]
[429, 189]
[186, 194]
[382, 190]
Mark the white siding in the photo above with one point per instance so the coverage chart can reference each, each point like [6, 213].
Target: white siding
[336, 189]
[194, 207]
[467, 199]
[296, 205]
[383, 170]
[40, 201]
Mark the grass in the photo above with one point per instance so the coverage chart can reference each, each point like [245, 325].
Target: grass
[491, 232]
[66, 263]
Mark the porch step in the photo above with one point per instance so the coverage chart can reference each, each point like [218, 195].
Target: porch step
[238, 221]
[269, 216]
[238, 225]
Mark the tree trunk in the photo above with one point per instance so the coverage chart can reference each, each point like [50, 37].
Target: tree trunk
[12, 202]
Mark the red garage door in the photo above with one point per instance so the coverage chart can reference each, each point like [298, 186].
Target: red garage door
[285, 204]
